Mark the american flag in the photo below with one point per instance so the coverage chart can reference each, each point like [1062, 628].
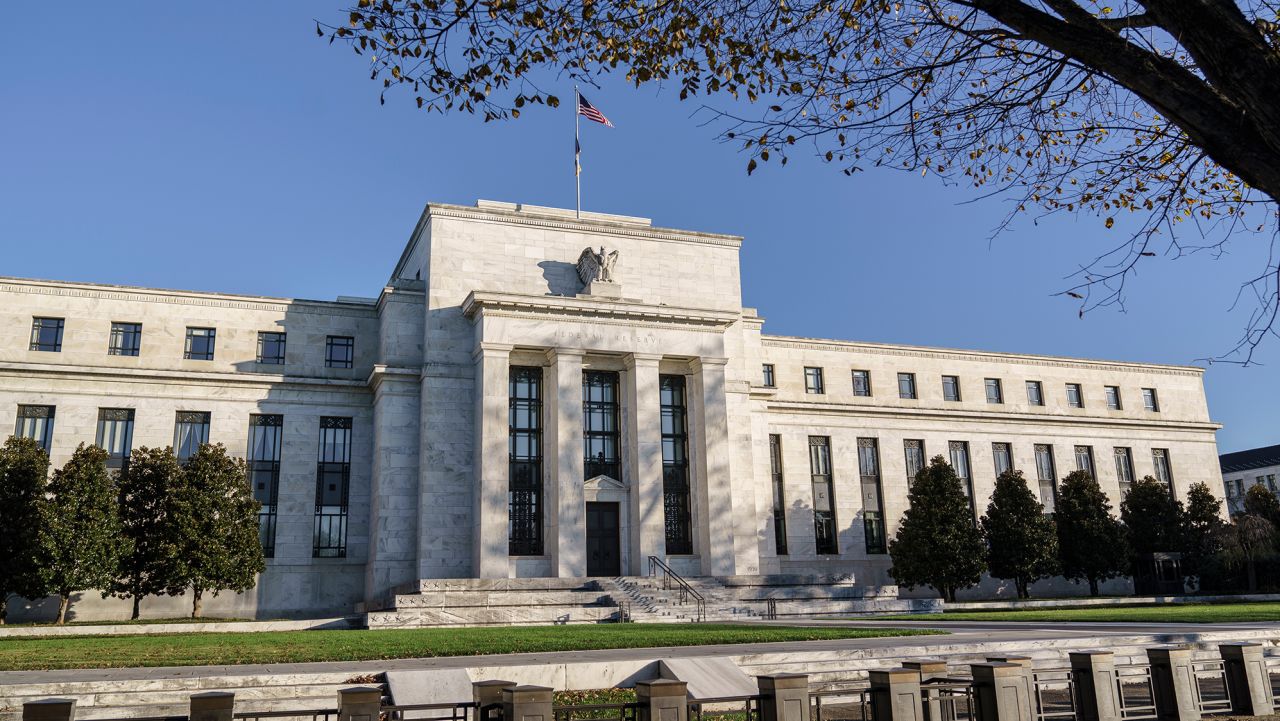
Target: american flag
[589, 111]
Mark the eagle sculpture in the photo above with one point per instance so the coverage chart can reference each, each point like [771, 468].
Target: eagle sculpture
[596, 267]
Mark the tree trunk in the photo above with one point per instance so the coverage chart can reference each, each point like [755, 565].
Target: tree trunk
[64, 600]
[137, 602]
[1022, 584]
[196, 594]
[1253, 575]
[1093, 587]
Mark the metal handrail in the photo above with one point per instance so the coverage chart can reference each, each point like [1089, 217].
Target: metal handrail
[686, 591]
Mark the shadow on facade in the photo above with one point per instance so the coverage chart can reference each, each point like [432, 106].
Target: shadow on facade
[562, 278]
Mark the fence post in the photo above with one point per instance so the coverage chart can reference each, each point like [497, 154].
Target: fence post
[1001, 692]
[895, 694]
[487, 696]
[1027, 669]
[661, 699]
[1248, 680]
[359, 703]
[784, 697]
[212, 706]
[49, 709]
[527, 703]
[1097, 695]
[1174, 682]
[935, 708]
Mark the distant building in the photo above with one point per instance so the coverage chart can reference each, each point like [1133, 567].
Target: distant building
[535, 395]
[1256, 466]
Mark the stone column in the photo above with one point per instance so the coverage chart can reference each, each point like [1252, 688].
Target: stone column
[49, 709]
[359, 703]
[393, 492]
[714, 517]
[1247, 679]
[662, 699]
[935, 709]
[212, 706]
[1097, 695]
[492, 397]
[566, 535]
[1175, 684]
[527, 703]
[784, 697]
[1001, 693]
[895, 695]
[644, 461]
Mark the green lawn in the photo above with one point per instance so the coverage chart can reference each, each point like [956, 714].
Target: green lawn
[195, 649]
[1148, 613]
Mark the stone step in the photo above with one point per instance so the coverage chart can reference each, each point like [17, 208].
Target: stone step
[490, 616]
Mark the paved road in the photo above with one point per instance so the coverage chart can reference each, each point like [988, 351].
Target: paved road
[960, 632]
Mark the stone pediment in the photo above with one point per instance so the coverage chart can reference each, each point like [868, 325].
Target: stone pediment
[603, 483]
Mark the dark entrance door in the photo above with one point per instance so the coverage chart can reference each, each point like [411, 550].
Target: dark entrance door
[603, 557]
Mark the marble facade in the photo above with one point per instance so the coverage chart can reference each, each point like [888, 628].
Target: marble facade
[480, 290]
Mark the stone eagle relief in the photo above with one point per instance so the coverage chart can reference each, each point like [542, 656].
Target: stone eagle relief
[596, 267]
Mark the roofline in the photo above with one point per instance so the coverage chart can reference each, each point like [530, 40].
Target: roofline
[193, 294]
[882, 347]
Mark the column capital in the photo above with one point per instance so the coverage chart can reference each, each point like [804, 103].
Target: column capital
[555, 354]
[631, 360]
[705, 363]
[489, 349]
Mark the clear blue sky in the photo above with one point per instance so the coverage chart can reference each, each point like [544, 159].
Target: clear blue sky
[223, 146]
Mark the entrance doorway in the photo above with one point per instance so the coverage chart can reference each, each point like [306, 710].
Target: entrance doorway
[603, 556]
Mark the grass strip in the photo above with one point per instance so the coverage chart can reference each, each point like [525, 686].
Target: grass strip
[199, 649]
[1136, 613]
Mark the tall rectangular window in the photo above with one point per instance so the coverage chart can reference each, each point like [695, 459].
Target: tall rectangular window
[115, 435]
[824, 504]
[333, 488]
[126, 339]
[1124, 469]
[36, 423]
[951, 388]
[862, 383]
[1075, 397]
[675, 465]
[813, 380]
[600, 433]
[872, 505]
[907, 385]
[1035, 393]
[995, 392]
[1047, 477]
[1150, 401]
[1003, 455]
[190, 431]
[767, 373]
[1164, 473]
[1113, 397]
[960, 462]
[264, 474]
[46, 334]
[524, 454]
[779, 495]
[271, 348]
[914, 451]
[339, 351]
[200, 343]
[1084, 460]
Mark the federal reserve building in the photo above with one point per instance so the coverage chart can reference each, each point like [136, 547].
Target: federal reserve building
[539, 407]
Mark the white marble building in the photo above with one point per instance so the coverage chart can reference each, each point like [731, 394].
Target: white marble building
[490, 414]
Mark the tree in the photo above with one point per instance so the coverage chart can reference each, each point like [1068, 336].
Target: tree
[1165, 110]
[1091, 542]
[937, 543]
[217, 520]
[1249, 538]
[1203, 530]
[81, 540]
[148, 487]
[23, 469]
[1153, 517]
[1022, 542]
[1262, 502]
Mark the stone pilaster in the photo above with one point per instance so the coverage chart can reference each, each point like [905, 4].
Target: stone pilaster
[643, 424]
[714, 485]
[493, 375]
[566, 533]
[393, 492]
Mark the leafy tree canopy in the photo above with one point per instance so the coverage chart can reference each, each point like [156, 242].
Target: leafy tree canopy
[1165, 110]
[23, 468]
[1022, 542]
[148, 488]
[1153, 517]
[1204, 529]
[1091, 542]
[1262, 502]
[937, 543]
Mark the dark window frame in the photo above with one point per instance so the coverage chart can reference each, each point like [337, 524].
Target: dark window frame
[1047, 477]
[1085, 454]
[266, 434]
[333, 469]
[909, 444]
[1114, 400]
[271, 347]
[40, 325]
[199, 422]
[1005, 448]
[951, 394]
[767, 375]
[1125, 475]
[960, 450]
[1150, 400]
[873, 524]
[125, 339]
[525, 535]
[1079, 399]
[334, 343]
[677, 496]
[1163, 466]
[779, 495]
[601, 409]
[826, 542]
[913, 392]
[996, 384]
[862, 390]
[814, 381]
[207, 337]
[112, 424]
[41, 433]
[1035, 393]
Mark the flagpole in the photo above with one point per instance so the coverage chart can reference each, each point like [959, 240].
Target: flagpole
[577, 149]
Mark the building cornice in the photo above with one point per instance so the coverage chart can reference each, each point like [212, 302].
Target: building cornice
[597, 224]
[836, 409]
[150, 375]
[910, 351]
[494, 304]
[97, 291]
